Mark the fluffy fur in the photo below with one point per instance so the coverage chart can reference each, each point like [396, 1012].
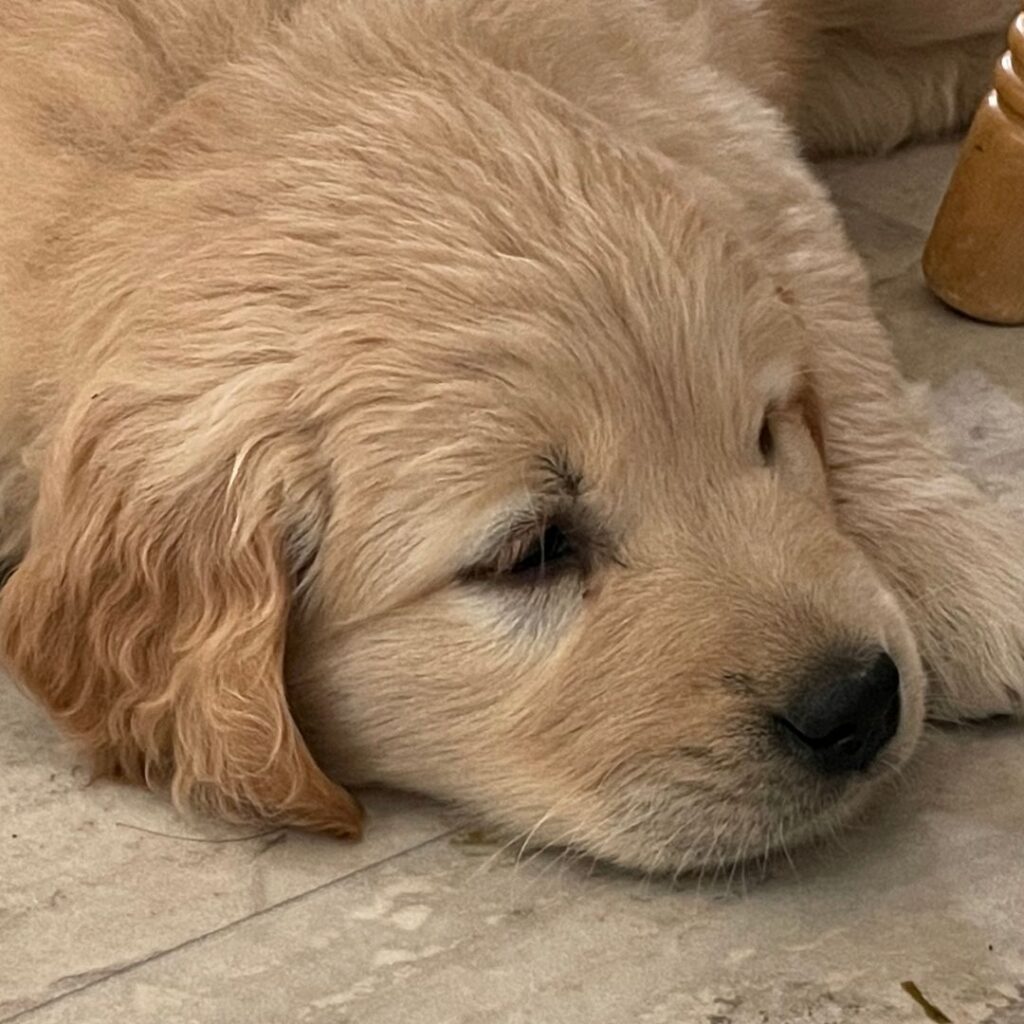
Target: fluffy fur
[313, 310]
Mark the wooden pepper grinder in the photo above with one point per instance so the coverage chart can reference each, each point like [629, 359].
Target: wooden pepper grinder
[974, 259]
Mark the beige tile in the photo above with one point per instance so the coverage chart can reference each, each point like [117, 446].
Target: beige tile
[889, 248]
[84, 891]
[984, 425]
[933, 343]
[976, 370]
[929, 888]
[906, 186]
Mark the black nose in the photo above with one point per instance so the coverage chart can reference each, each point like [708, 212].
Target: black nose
[845, 714]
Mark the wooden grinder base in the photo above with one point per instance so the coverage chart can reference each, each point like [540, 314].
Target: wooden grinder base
[974, 259]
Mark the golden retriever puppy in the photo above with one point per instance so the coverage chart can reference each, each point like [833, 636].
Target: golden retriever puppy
[480, 396]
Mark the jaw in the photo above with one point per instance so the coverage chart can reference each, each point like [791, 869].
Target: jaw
[733, 835]
[595, 789]
[661, 832]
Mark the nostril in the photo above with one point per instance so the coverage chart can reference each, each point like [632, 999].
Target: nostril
[841, 734]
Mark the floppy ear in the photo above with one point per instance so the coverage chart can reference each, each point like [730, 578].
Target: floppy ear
[149, 616]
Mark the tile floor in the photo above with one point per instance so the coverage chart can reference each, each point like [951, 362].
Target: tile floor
[113, 909]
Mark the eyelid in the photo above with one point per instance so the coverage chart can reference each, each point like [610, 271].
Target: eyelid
[505, 520]
[517, 545]
[777, 384]
[794, 393]
[512, 534]
[509, 525]
[802, 405]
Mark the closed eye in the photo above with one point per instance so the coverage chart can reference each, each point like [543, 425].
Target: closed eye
[766, 440]
[546, 551]
[530, 557]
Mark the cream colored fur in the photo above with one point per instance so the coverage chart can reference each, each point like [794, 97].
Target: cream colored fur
[307, 306]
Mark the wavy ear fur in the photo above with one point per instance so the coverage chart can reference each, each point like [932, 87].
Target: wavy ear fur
[149, 615]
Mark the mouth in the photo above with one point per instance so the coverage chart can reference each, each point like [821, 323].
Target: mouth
[764, 836]
[766, 813]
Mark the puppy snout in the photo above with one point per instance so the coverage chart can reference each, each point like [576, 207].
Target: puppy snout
[845, 713]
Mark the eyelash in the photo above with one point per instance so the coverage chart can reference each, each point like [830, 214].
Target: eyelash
[766, 440]
[531, 559]
[539, 555]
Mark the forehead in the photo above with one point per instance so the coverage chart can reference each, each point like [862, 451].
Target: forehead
[624, 373]
[618, 323]
[679, 352]
[614, 381]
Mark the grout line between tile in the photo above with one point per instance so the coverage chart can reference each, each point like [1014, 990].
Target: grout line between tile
[889, 220]
[24, 1015]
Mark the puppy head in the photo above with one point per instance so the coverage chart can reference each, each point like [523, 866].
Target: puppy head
[583, 573]
[524, 459]
[585, 577]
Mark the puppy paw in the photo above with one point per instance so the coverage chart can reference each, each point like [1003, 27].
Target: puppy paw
[973, 645]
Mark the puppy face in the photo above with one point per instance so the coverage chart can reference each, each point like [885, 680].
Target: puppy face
[504, 470]
[589, 575]
[583, 573]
